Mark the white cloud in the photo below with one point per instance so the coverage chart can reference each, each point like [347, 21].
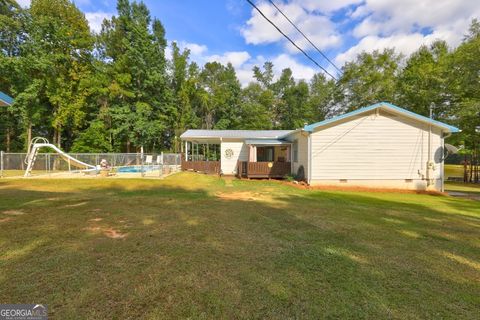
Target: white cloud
[95, 19]
[280, 62]
[359, 12]
[24, 3]
[377, 24]
[325, 6]
[299, 71]
[403, 43]
[403, 24]
[319, 28]
[195, 49]
[236, 58]
[393, 17]
[243, 62]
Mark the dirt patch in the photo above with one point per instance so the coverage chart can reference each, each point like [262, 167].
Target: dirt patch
[114, 234]
[13, 212]
[360, 189]
[5, 219]
[75, 204]
[108, 232]
[96, 219]
[243, 195]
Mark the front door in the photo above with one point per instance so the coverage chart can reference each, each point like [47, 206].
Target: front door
[265, 154]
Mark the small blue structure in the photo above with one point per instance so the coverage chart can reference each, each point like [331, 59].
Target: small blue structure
[5, 100]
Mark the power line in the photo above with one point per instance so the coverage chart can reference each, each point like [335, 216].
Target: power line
[291, 41]
[304, 35]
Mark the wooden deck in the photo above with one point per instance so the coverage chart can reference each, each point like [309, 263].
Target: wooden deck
[263, 169]
[202, 166]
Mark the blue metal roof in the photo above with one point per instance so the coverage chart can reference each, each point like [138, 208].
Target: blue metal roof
[5, 100]
[385, 105]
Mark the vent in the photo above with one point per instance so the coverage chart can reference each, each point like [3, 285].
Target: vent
[343, 180]
[408, 180]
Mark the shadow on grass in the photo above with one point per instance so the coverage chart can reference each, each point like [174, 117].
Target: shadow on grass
[190, 253]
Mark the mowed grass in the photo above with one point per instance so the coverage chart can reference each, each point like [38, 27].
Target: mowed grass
[202, 247]
[453, 170]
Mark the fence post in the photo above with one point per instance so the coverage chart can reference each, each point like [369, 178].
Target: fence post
[141, 164]
[160, 165]
[1, 164]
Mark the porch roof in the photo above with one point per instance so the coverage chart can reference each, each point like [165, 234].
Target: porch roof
[234, 134]
[267, 142]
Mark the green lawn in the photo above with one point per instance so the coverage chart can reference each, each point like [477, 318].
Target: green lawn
[199, 246]
[453, 170]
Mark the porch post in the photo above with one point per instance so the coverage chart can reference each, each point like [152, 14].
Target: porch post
[291, 158]
[253, 154]
[186, 150]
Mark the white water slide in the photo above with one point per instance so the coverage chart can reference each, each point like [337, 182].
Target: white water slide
[40, 142]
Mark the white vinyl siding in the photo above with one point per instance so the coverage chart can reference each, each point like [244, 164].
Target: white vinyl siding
[240, 153]
[302, 145]
[375, 146]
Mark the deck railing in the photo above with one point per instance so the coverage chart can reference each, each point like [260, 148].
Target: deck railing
[202, 166]
[263, 169]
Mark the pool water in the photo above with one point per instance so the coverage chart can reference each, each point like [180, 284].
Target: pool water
[134, 169]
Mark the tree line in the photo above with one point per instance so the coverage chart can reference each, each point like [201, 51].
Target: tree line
[116, 91]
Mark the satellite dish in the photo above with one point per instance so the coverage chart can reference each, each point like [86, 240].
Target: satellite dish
[448, 149]
[451, 149]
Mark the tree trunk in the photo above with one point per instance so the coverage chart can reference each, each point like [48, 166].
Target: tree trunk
[470, 175]
[29, 136]
[128, 145]
[55, 136]
[9, 139]
[475, 164]
[59, 137]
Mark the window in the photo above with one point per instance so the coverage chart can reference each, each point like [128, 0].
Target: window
[295, 151]
[265, 154]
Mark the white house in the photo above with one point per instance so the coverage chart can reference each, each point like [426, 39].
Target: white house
[380, 146]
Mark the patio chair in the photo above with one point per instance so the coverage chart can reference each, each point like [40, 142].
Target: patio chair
[148, 159]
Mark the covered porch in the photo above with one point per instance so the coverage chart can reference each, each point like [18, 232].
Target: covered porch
[202, 155]
[266, 159]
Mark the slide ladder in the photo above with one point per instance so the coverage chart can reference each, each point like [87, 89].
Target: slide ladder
[40, 142]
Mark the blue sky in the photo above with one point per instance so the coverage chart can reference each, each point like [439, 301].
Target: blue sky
[232, 31]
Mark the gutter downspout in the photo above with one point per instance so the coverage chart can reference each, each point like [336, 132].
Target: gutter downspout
[309, 167]
[429, 168]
